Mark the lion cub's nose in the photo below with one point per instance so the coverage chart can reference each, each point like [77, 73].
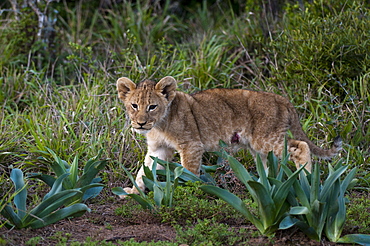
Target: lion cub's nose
[141, 123]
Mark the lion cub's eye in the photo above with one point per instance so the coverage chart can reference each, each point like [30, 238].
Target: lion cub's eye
[134, 106]
[152, 107]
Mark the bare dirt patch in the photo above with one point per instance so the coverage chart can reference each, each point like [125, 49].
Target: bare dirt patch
[103, 224]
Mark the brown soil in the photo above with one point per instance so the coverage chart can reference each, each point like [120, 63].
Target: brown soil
[102, 224]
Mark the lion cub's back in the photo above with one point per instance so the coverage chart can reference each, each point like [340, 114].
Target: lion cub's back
[240, 101]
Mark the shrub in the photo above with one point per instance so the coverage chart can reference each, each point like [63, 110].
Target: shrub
[323, 50]
[269, 191]
[45, 213]
[87, 183]
[321, 207]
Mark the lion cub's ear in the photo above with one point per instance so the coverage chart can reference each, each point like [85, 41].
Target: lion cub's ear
[167, 86]
[124, 85]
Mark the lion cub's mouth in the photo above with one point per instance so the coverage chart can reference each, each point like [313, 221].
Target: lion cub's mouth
[141, 130]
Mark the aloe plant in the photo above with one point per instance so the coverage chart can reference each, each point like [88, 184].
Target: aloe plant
[163, 191]
[270, 191]
[322, 206]
[87, 183]
[141, 198]
[45, 213]
[175, 175]
[186, 175]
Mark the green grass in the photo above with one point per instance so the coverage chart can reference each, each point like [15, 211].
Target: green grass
[63, 96]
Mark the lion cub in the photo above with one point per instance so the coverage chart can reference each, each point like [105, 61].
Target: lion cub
[194, 123]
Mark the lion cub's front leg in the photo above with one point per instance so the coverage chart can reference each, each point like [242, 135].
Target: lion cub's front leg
[162, 153]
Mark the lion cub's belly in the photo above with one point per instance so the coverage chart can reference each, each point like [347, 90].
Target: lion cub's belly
[235, 140]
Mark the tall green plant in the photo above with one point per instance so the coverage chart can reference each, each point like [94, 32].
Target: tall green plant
[163, 191]
[87, 183]
[321, 207]
[45, 213]
[269, 191]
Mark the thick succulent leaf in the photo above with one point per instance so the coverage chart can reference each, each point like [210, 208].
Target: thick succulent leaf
[275, 184]
[154, 168]
[337, 213]
[186, 175]
[51, 204]
[148, 173]
[11, 216]
[133, 181]
[58, 165]
[303, 197]
[148, 183]
[299, 210]
[119, 191]
[210, 169]
[309, 231]
[168, 187]
[71, 211]
[288, 222]
[262, 173]
[266, 205]
[57, 186]
[280, 196]
[240, 171]
[273, 164]
[48, 179]
[172, 165]
[91, 190]
[348, 180]
[92, 161]
[20, 198]
[178, 171]
[158, 195]
[89, 174]
[146, 204]
[287, 170]
[74, 173]
[317, 217]
[335, 221]
[315, 184]
[325, 192]
[355, 238]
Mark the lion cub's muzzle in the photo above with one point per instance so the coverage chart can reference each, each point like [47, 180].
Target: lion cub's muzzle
[142, 127]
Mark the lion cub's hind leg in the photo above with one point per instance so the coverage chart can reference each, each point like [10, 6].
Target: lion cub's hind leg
[300, 153]
[191, 157]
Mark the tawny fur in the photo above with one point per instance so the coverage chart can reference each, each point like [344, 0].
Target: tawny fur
[194, 124]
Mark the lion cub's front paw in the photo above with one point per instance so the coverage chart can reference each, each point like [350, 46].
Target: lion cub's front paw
[129, 190]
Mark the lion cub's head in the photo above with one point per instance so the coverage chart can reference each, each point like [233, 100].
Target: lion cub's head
[146, 102]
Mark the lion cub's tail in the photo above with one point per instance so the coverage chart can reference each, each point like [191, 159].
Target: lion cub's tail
[299, 134]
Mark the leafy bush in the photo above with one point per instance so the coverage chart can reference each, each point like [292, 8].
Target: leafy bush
[323, 50]
[163, 192]
[45, 213]
[87, 183]
[269, 191]
[142, 198]
[322, 206]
